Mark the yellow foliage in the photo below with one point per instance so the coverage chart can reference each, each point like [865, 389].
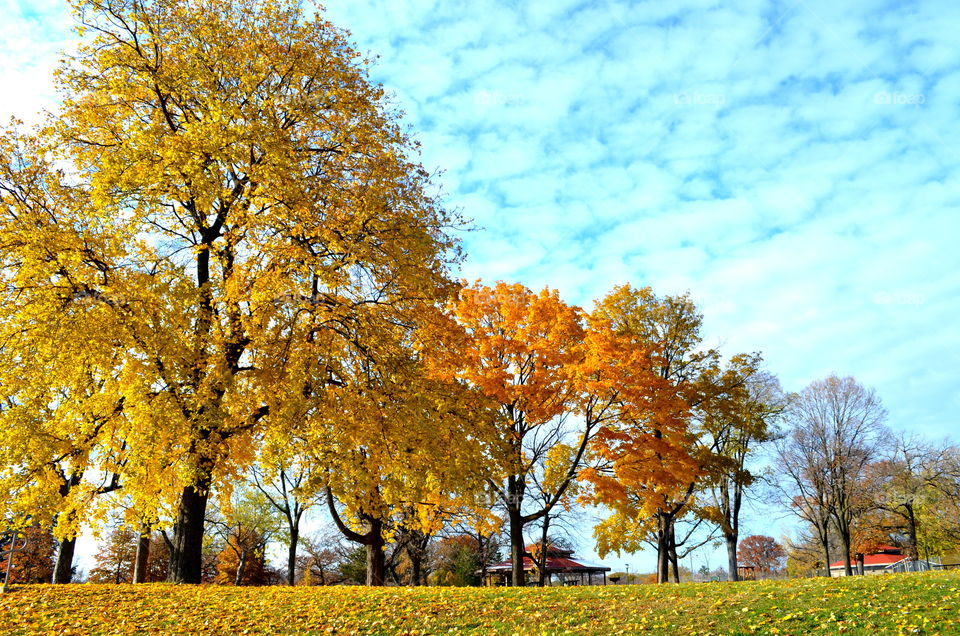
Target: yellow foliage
[200, 252]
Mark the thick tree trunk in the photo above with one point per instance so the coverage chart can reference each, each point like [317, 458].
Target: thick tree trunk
[663, 552]
[845, 539]
[518, 577]
[63, 569]
[732, 562]
[292, 556]
[913, 550]
[674, 559]
[143, 557]
[376, 556]
[186, 557]
[416, 569]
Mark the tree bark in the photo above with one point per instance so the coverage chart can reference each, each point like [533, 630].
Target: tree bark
[674, 560]
[663, 552]
[376, 557]
[825, 544]
[241, 566]
[913, 551]
[63, 569]
[845, 540]
[416, 567]
[292, 554]
[373, 541]
[186, 557]
[518, 577]
[544, 555]
[143, 556]
[732, 561]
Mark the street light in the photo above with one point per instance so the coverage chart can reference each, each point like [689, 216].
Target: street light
[628, 573]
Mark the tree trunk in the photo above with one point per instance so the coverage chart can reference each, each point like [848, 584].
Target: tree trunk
[825, 544]
[292, 555]
[63, 570]
[143, 556]
[544, 547]
[732, 561]
[481, 542]
[663, 552]
[845, 540]
[376, 557]
[186, 558]
[913, 551]
[674, 560]
[416, 569]
[241, 566]
[518, 577]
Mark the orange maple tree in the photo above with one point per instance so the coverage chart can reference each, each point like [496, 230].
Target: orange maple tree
[648, 464]
[763, 553]
[33, 559]
[521, 349]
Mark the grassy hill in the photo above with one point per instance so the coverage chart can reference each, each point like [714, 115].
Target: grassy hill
[908, 604]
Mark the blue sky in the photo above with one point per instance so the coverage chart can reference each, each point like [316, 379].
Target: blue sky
[794, 164]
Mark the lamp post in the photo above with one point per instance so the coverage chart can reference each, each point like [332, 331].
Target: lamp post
[12, 549]
[628, 573]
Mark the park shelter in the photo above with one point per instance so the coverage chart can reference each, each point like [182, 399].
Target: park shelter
[562, 569]
[874, 563]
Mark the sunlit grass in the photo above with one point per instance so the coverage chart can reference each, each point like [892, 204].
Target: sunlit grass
[907, 604]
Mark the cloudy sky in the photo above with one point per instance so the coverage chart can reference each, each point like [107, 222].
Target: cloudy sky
[794, 165]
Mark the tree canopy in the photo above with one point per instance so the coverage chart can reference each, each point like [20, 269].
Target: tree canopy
[208, 237]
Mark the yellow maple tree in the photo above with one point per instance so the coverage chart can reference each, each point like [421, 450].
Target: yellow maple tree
[222, 199]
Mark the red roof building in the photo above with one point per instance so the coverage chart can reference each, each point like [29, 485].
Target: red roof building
[562, 569]
[874, 563]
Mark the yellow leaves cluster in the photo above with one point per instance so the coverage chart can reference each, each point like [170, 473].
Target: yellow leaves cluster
[206, 254]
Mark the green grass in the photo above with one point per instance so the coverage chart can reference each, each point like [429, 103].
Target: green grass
[896, 604]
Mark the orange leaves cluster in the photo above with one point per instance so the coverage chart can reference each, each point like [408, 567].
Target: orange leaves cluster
[539, 359]
[645, 447]
[518, 347]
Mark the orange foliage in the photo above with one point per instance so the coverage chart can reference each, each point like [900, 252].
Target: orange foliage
[244, 550]
[518, 347]
[762, 553]
[34, 563]
[645, 447]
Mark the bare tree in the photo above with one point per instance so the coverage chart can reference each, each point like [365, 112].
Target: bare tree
[836, 430]
[911, 473]
[801, 479]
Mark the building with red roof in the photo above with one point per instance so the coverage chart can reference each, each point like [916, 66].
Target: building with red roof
[874, 563]
[562, 569]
